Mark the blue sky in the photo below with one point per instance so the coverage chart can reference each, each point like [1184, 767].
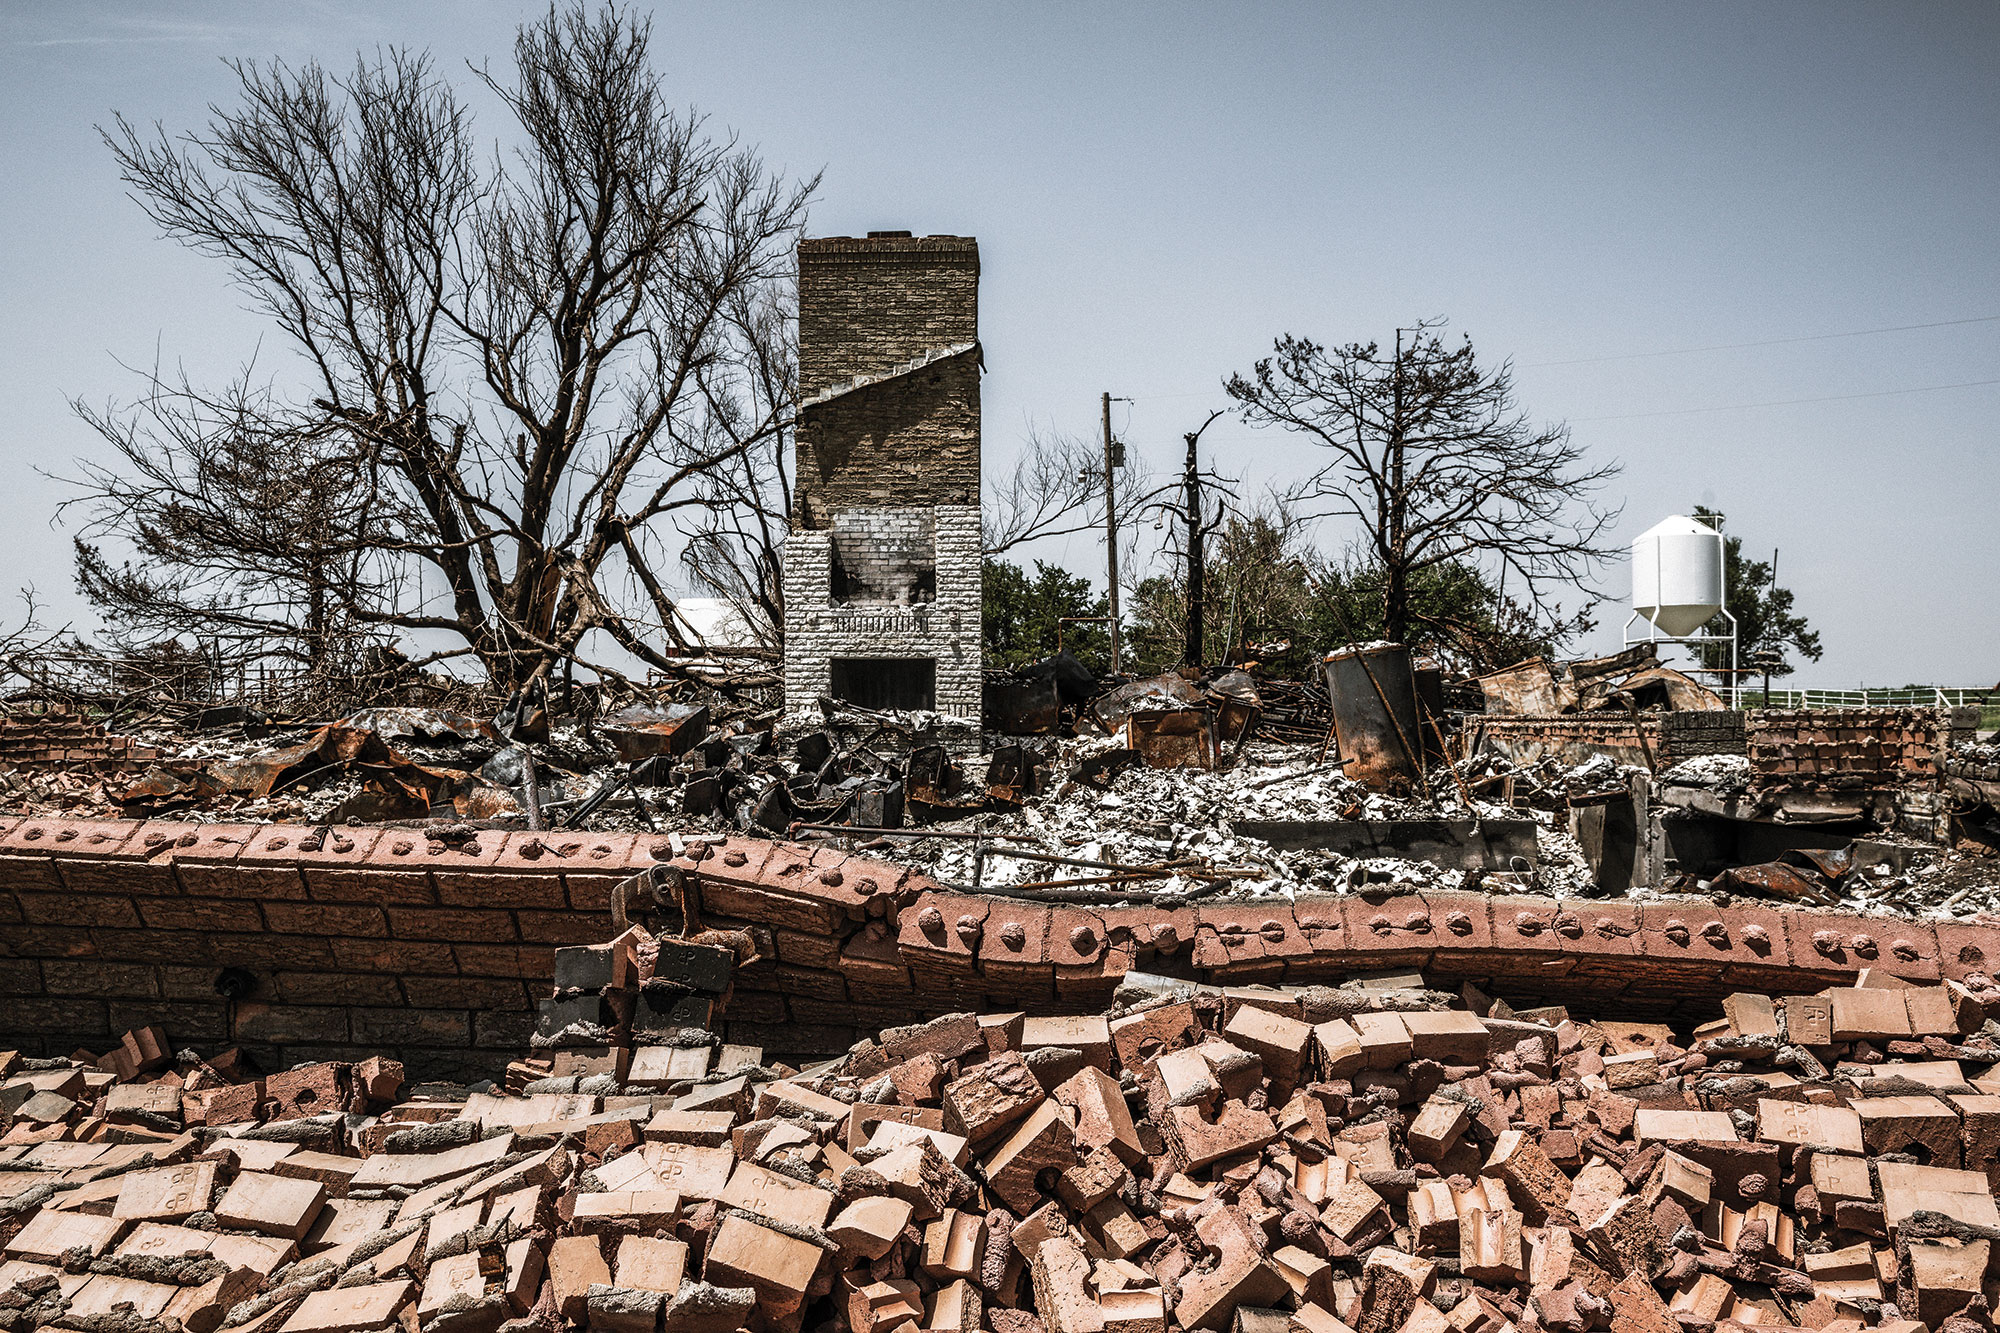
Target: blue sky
[1159, 190]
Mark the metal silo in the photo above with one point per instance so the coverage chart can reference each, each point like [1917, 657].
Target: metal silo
[1677, 575]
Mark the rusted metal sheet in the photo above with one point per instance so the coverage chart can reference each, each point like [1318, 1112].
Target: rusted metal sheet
[1773, 879]
[1154, 694]
[1832, 863]
[329, 748]
[1526, 689]
[1010, 777]
[935, 788]
[162, 788]
[642, 731]
[1181, 738]
[1237, 704]
[1587, 683]
[1023, 707]
[1664, 686]
[1374, 696]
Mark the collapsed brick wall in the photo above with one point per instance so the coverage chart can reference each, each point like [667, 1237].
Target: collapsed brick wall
[370, 941]
[1845, 749]
[66, 740]
[1571, 740]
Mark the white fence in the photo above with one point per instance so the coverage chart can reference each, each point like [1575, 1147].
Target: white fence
[1907, 696]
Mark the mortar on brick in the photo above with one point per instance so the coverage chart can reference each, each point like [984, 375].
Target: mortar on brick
[434, 996]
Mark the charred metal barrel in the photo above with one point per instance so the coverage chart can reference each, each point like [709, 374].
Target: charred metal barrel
[1374, 696]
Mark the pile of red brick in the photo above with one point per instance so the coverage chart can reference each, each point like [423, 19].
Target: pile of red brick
[1367, 1159]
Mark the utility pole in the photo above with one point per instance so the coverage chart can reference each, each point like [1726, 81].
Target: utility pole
[1111, 532]
[1774, 653]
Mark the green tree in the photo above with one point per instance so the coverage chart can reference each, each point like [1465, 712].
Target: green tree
[1456, 615]
[1257, 591]
[1265, 585]
[1765, 622]
[1022, 615]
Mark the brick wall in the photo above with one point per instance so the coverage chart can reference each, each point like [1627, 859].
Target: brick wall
[369, 940]
[1845, 749]
[910, 441]
[887, 487]
[870, 308]
[945, 629]
[1571, 740]
[66, 740]
[869, 304]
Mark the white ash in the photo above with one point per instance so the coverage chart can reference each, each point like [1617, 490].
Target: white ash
[1560, 866]
[1719, 772]
[1152, 816]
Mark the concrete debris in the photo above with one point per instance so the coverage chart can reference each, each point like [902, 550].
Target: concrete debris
[1371, 1159]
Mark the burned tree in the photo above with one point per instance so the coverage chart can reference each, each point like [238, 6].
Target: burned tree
[246, 531]
[1430, 455]
[534, 360]
[733, 544]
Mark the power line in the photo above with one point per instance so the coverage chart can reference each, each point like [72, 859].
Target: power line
[1767, 342]
[1677, 351]
[1786, 402]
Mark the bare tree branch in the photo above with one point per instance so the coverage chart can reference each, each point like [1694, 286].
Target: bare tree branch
[1056, 489]
[515, 375]
[1431, 455]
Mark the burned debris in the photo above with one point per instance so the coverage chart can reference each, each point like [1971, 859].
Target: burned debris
[1228, 782]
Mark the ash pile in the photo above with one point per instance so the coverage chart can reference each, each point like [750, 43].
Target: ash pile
[1373, 1158]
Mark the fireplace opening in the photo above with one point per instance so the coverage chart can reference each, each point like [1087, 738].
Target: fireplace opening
[886, 682]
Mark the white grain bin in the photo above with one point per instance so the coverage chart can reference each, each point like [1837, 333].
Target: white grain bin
[1677, 575]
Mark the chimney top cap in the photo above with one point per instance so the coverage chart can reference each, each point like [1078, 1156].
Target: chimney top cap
[887, 235]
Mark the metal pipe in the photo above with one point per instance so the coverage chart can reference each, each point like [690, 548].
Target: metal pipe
[1049, 858]
[1183, 872]
[1100, 879]
[863, 830]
